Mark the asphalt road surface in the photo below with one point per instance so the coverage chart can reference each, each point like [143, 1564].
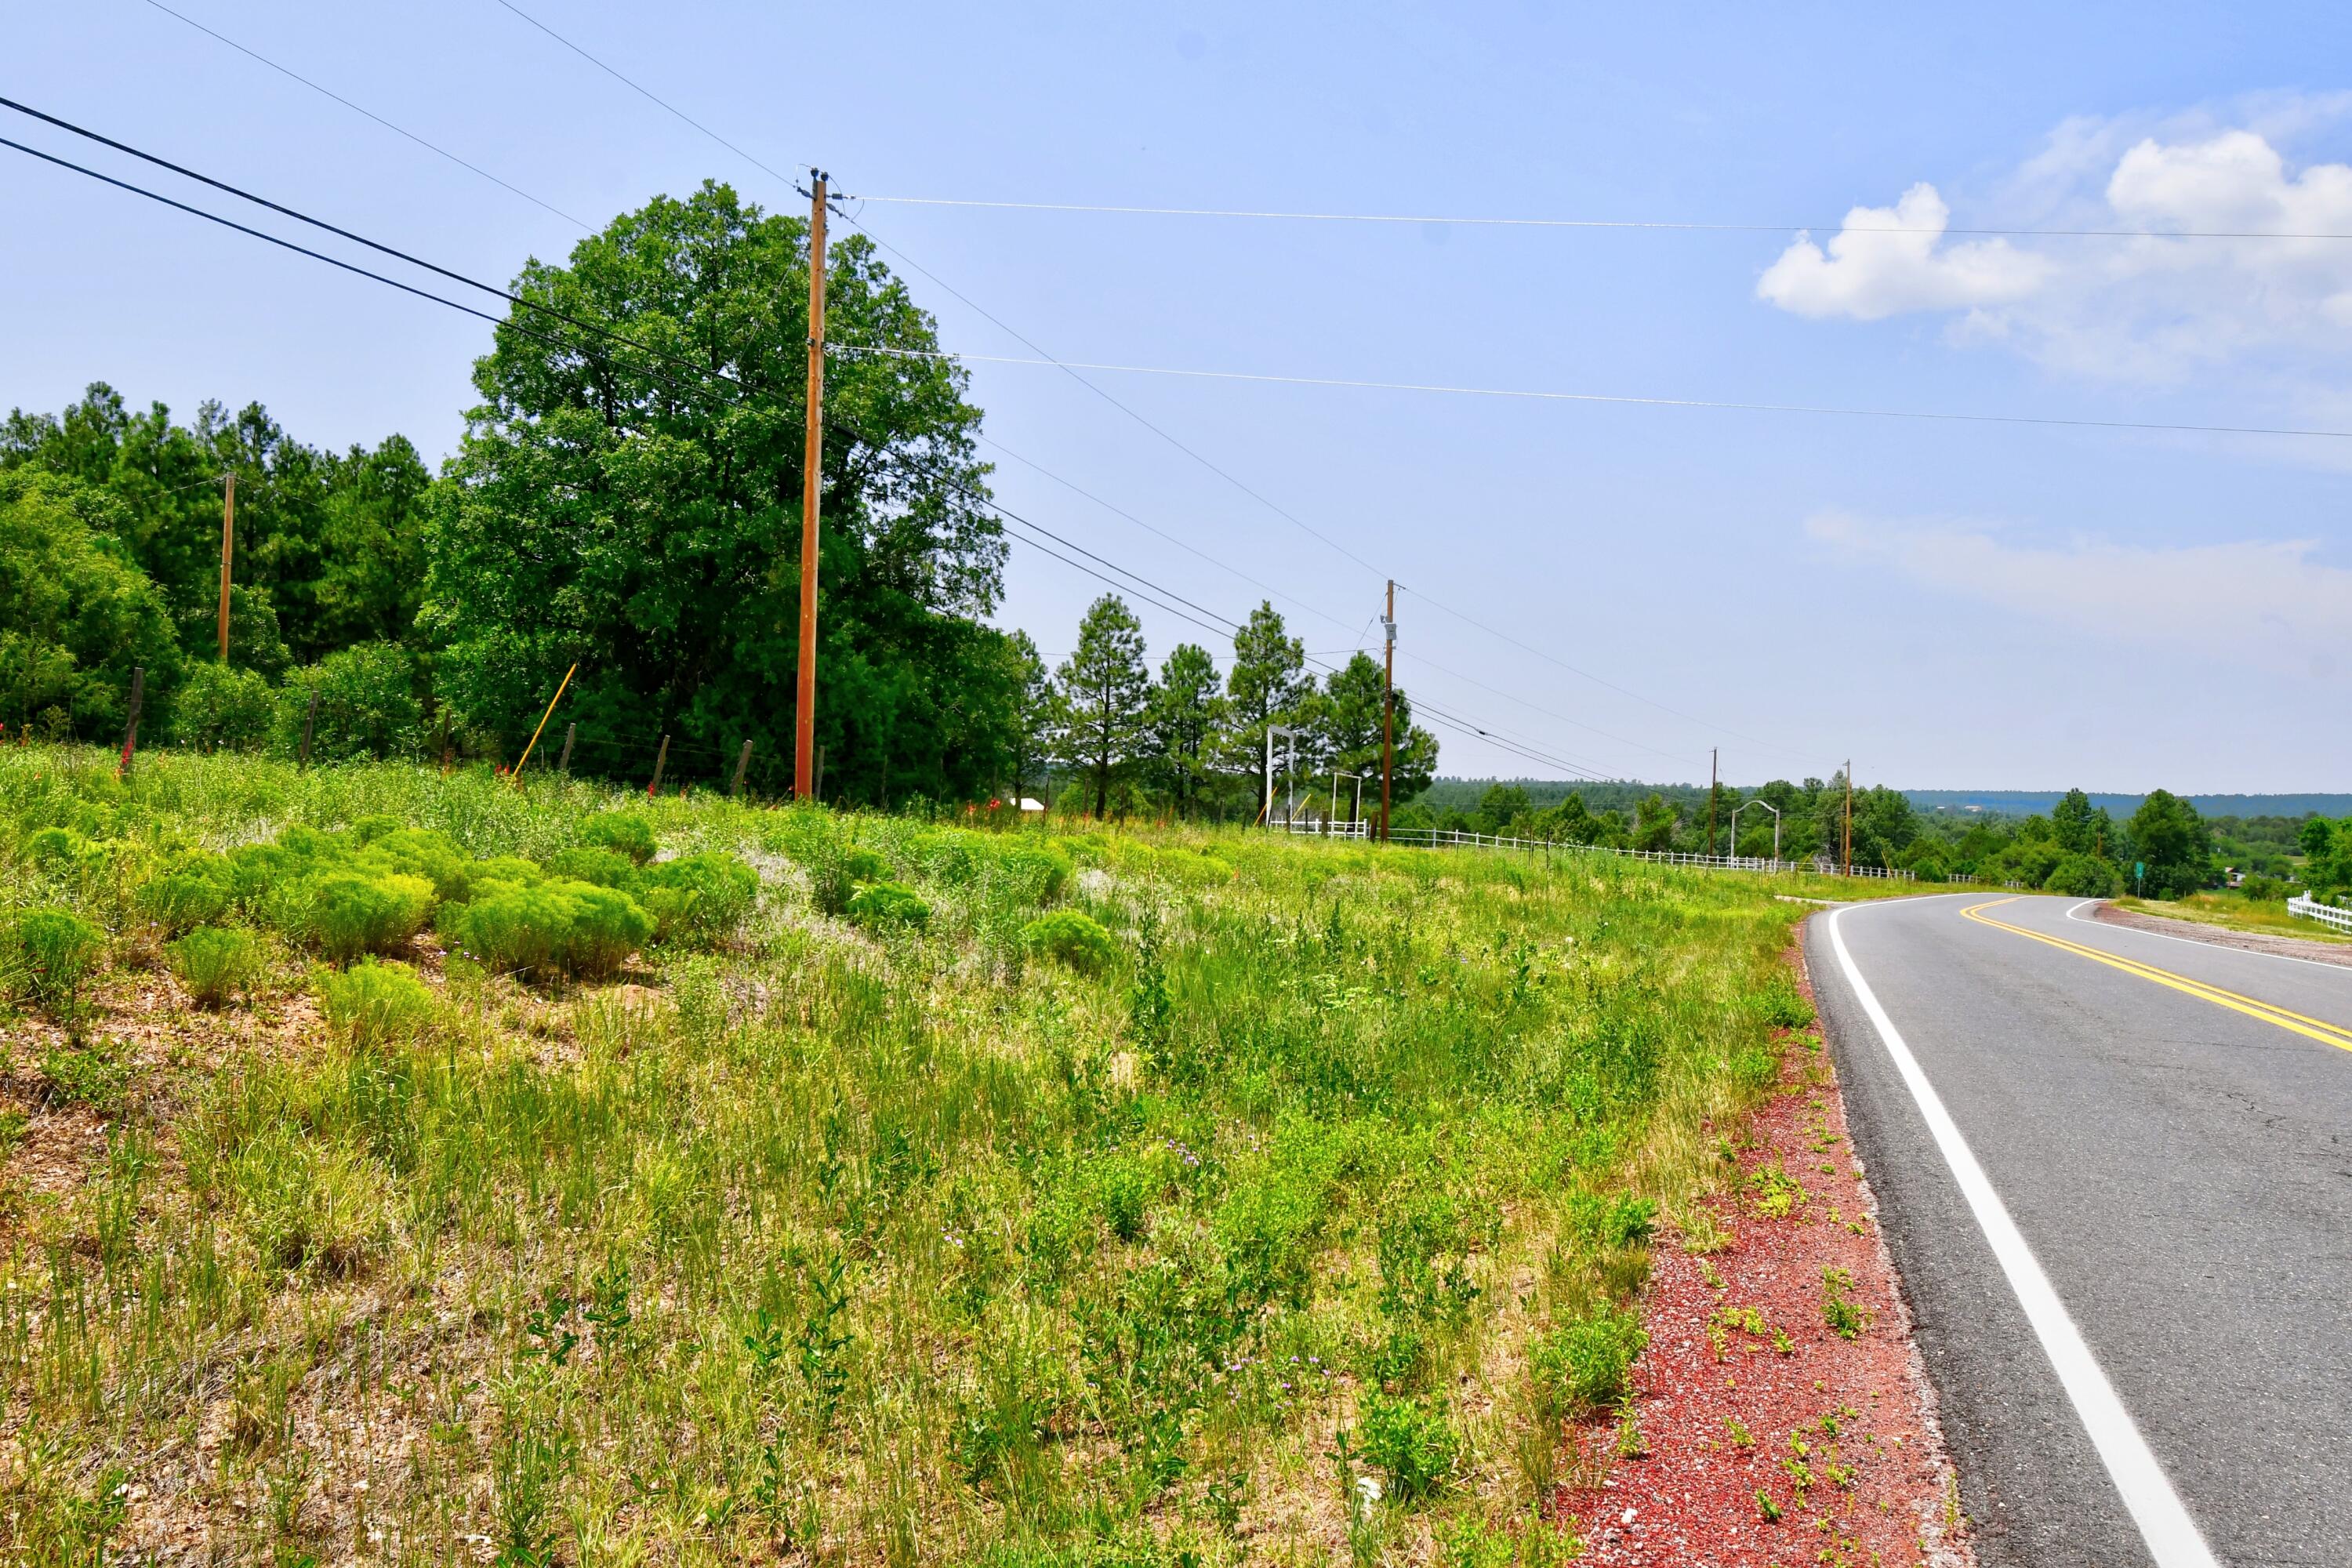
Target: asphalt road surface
[2115, 1170]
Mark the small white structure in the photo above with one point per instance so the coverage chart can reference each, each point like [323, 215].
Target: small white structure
[1029, 805]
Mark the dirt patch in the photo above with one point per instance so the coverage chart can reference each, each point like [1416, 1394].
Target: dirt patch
[2223, 936]
[1766, 1435]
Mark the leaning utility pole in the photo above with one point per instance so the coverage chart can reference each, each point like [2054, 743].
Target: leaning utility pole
[1849, 816]
[1713, 756]
[812, 455]
[1387, 711]
[228, 532]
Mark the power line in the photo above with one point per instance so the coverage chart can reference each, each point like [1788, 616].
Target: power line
[1471, 726]
[1664, 225]
[1554, 396]
[371, 114]
[741, 153]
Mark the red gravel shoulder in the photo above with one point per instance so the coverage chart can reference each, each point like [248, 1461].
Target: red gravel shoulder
[1769, 1438]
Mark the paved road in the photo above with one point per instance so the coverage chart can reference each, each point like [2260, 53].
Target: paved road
[2176, 1158]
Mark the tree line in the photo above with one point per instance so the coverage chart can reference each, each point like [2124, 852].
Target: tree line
[629, 503]
[2163, 849]
[1194, 742]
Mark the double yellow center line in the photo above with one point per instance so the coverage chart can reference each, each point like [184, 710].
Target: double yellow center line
[2319, 1029]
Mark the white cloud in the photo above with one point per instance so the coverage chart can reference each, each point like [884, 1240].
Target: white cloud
[2153, 308]
[1885, 261]
[2264, 604]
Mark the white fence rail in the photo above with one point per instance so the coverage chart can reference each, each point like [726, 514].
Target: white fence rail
[2305, 906]
[1450, 838]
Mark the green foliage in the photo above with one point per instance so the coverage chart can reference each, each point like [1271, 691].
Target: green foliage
[1586, 1365]
[1784, 1005]
[214, 963]
[94, 1074]
[367, 704]
[2084, 876]
[198, 889]
[697, 899]
[583, 863]
[346, 913]
[1101, 691]
[886, 906]
[621, 832]
[219, 707]
[50, 956]
[674, 515]
[376, 1004]
[76, 613]
[546, 929]
[1410, 1441]
[1069, 937]
[1844, 1316]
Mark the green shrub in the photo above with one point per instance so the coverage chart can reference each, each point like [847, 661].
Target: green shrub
[547, 928]
[50, 953]
[58, 851]
[622, 832]
[2084, 876]
[1068, 937]
[346, 913]
[584, 863]
[698, 898]
[1032, 873]
[214, 963]
[200, 890]
[416, 852]
[374, 1003]
[884, 906]
[1784, 1007]
[94, 1075]
[1586, 1365]
[367, 704]
[1410, 1441]
[219, 707]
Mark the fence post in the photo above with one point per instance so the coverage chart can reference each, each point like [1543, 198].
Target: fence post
[660, 758]
[309, 718]
[565, 766]
[131, 725]
[740, 764]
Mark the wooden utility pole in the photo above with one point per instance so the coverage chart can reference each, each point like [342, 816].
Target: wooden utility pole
[812, 456]
[570, 734]
[1388, 710]
[661, 760]
[228, 534]
[1849, 816]
[1713, 754]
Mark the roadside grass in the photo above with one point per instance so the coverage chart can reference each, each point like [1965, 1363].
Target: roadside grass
[1154, 1196]
[2267, 917]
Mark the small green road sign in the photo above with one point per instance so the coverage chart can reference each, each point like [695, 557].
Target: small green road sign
[2139, 869]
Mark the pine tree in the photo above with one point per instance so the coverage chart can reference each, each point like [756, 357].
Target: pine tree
[1103, 690]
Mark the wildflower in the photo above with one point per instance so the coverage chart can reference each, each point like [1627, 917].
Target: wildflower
[1369, 1490]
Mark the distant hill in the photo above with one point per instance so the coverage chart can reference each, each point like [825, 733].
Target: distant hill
[1462, 794]
[2025, 802]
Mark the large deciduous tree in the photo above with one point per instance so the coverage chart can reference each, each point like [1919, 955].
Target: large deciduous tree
[76, 615]
[1105, 694]
[636, 507]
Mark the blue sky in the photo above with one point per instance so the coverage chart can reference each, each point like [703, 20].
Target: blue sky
[1953, 605]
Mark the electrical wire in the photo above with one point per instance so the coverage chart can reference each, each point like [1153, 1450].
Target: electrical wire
[1666, 225]
[371, 114]
[1471, 726]
[775, 174]
[1555, 396]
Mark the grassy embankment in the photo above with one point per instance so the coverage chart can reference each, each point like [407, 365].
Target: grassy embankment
[1297, 1210]
[2266, 917]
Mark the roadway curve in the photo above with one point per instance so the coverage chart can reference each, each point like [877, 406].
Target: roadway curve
[2167, 1127]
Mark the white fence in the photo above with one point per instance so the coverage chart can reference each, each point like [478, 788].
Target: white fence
[1449, 838]
[2308, 908]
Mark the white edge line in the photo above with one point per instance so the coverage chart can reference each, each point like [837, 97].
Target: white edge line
[2072, 913]
[2172, 1537]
